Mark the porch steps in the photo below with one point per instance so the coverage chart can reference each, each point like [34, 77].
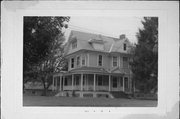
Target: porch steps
[118, 94]
[63, 93]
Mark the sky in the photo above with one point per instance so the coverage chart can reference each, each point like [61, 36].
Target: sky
[108, 26]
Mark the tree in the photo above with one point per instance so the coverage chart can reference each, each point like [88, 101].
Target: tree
[145, 56]
[43, 50]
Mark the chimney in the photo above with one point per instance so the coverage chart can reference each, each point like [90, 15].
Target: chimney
[122, 36]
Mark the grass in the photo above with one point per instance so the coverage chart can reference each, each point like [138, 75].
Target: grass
[76, 101]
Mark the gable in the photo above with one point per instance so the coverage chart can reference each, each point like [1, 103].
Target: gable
[118, 46]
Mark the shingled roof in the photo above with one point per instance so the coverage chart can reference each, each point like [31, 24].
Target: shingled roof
[85, 41]
[89, 70]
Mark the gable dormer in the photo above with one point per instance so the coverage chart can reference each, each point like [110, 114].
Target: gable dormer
[126, 44]
[97, 44]
[74, 43]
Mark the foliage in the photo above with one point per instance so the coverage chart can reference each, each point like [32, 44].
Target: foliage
[145, 56]
[43, 48]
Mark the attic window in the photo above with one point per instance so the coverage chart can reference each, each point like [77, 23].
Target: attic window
[124, 47]
[74, 44]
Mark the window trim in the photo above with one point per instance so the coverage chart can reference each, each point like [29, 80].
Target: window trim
[79, 61]
[115, 78]
[84, 60]
[113, 61]
[98, 60]
[73, 64]
[124, 46]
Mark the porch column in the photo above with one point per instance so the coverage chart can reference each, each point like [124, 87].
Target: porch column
[81, 82]
[72, 81]
[60, 83]
[94, 82]
[53, 84]
[81, 93]
[123, 83]
[109, 82]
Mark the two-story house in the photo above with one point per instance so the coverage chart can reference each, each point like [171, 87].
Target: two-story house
[96, 63]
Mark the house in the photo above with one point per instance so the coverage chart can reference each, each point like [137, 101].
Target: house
[96, 63]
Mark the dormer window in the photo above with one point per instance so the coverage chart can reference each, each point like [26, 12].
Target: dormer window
[100, 60]
[74, 44]
[124, 47]
[97, 44]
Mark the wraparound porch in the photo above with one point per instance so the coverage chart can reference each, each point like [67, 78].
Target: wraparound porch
[91, 82]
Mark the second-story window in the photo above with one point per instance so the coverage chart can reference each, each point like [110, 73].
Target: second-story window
[100, 60]
[83, 60]
[78, 60]
[115, 61]
[72, 62]
[125, 62]
[124, 47]
[74, 44]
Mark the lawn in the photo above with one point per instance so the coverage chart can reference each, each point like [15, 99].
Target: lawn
[76, 101]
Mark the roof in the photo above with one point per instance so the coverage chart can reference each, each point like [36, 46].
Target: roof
[85, 41]
[89, 70]
[120, 71]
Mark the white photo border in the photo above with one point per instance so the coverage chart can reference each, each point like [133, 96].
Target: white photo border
[12, 56]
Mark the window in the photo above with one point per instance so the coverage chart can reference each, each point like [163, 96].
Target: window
[114, 82]
[121, 81]
[114, 61]
[100, 81]
[74, 44]
[72, 62]
[124, 47]
[65, 81]
[78, 60]
[58, 80]
[83, 60]
[126, 86]
[77, 78]
[125, 62]
[100, 60]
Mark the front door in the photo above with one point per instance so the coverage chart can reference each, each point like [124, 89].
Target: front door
[114, 82]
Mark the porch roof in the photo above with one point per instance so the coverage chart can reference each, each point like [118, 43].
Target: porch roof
[89, 70]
